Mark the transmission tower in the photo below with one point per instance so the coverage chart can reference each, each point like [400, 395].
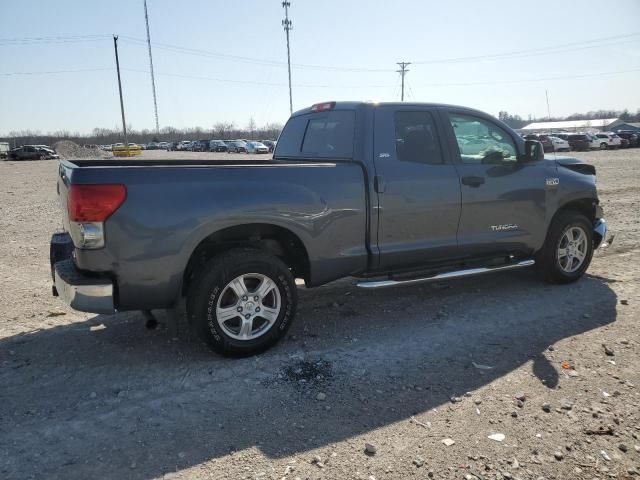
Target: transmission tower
[403, 71]
[288, 26]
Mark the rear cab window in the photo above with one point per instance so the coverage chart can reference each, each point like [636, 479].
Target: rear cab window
[318, 135]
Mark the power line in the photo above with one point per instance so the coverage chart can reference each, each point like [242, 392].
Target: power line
[561, 48]
[52, 39]
[51, 72]
[252, 82]
[403, 71]
[530, 80]
[535, 51]
[301, 85]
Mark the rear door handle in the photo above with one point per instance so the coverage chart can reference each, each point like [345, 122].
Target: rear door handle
[473, 181]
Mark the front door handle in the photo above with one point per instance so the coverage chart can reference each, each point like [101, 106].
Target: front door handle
[473, 181]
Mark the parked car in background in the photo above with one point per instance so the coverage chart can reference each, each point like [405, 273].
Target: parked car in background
[217, 146]
[172, 146]
[256, 147]
[200, 146]
[559, 144]
[4, 150]
[543, 139]
[270, 144]
[236, 146]
[183, 145]
[608, 140]
[630, 136]
[580, 142]
[32, 152]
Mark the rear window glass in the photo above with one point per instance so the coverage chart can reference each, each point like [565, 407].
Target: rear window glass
[578, 137]
[318, 135]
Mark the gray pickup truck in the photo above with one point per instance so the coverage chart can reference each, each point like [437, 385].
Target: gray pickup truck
[390, 194]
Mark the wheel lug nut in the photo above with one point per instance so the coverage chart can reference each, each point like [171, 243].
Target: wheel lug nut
[247, 316]
[244, 298]
[257, 309]
[239, 309]
[256, 298]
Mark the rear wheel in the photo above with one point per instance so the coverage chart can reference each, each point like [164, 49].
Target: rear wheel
[568, 248]
[603, 146]
[242, 302]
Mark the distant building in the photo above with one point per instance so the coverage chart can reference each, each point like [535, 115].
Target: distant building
[633, 126]
[602, 124]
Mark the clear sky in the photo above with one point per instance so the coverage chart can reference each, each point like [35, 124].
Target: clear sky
[230, 63]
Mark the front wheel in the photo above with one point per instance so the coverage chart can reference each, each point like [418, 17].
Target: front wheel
[568, 248]
[242, 302]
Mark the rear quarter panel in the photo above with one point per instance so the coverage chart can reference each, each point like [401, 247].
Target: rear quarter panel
[170, 210]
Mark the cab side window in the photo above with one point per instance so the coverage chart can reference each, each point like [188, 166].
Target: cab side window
[481, 141]
[416, 138]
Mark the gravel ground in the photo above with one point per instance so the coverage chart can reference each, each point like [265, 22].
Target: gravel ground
[459, 380]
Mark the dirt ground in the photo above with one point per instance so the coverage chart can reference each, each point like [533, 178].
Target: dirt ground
[425, 374]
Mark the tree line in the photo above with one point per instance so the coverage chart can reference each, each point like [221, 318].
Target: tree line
[229, 131]
[108, 136]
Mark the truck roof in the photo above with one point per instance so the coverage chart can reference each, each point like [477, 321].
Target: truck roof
[353, 105]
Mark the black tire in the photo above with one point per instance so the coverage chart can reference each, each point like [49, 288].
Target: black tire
[547, 262]
[604, 146]
[209, 284]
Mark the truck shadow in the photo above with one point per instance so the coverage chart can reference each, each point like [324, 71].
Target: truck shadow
[108, 398]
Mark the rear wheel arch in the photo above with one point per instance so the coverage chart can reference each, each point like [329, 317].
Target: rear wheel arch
[276, 240]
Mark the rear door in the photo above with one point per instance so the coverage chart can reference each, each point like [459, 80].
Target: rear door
[503, 199]
[418, 189]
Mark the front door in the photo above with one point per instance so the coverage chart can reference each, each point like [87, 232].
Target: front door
[503, 199]
[418, 188]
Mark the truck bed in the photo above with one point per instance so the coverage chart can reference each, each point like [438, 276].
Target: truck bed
[172, 206]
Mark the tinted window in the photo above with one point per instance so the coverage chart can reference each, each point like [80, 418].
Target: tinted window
[416, 138]
[482, 141]
[330, 135]
[318, 135]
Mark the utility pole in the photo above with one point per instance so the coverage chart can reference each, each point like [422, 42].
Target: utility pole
[153, 79]
[124, 123]
[548, 109]
[403, 70]
[288, 26]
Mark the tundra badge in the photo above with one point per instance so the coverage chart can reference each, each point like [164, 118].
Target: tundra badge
[503, 228]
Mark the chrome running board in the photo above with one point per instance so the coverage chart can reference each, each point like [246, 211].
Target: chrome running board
[444, 276]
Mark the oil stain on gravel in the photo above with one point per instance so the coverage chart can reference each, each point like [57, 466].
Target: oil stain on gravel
[304, 374]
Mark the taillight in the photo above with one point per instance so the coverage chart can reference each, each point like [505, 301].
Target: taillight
[94, 203]
[323, 107]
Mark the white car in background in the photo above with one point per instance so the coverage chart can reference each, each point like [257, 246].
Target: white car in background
[606, 140]
[559, 144]
[183, 145]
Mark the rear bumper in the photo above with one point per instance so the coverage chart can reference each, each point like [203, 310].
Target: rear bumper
[83, 292]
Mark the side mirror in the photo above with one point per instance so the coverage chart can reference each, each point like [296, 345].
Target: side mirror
[533, 151]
